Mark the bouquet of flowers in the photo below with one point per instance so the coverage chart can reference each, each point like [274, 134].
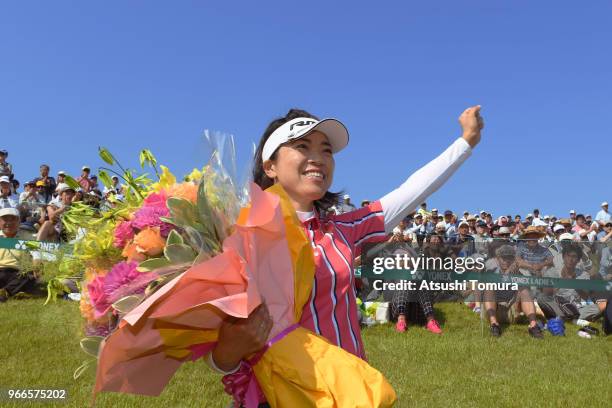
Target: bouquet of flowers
[150, 235]
[187, 264]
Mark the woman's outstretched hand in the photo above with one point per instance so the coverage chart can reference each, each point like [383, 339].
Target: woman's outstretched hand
[471, 122]
[240, 338]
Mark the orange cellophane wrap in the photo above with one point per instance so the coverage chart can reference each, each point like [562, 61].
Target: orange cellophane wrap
[268, 257]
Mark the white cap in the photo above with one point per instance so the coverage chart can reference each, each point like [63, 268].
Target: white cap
[61, 173]
[566, 236]
[346, 197]
[572, 211]
[85, 167]
[434, 210]
[529, 215]
[604, 203]
[482, 211]
[441, 225]
[299, 127]
[504, 230]
[61, 187]
[464, 223]
[547, 217]
[558, 227]
[9, 211]
[4, 179]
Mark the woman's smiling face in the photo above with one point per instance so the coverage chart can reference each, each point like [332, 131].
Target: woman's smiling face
[304, 168]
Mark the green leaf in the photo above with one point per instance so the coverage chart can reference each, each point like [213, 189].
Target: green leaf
[72, 183]
[91, 345]
[153, 263]
[126, 304]
[183, 212]
[194, 238]
[142, 158]
[82, 368]
[174, 238]
[105, 178]
[179, 253]
[106, 155]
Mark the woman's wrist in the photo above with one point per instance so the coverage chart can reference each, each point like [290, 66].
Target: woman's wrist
[224, 361]
[214, 365]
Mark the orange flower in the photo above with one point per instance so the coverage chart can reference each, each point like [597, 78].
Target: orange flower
[132, 254]
[150, 242]
[86, 308]
[187, 190]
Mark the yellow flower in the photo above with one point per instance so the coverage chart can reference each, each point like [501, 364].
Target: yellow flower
[166, 180]
[149, 242]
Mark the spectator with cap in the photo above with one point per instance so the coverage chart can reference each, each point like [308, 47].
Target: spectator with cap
[529, 220]
[6, 169]
[572, 214]
[117, 188]
[471, 220]
[47, 181]
[52, 229]
[532, 257]
[84, 180]
[434, 215]
[345, 206]
[581, 230]
[504, 306]
[603, 216]
[462, 242]
[13, 281]
[7, 198]
[449, 224]
[31, 202]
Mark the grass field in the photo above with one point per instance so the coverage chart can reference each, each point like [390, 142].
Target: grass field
[39, 349]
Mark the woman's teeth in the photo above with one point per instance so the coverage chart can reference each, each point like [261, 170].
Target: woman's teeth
[315, 174]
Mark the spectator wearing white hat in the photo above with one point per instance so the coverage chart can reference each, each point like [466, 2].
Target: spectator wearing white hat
[7, 198]
[345, 206]
[607, 228]
[12, 280]
[603, 215]
[114, 188]
[84, 180]
[572, 214]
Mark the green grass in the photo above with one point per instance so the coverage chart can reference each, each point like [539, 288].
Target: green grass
[39, 349]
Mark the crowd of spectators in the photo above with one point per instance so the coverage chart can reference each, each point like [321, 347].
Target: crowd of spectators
[576, 247]
[45, 198]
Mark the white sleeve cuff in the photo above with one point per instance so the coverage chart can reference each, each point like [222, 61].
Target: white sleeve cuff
[211, 363]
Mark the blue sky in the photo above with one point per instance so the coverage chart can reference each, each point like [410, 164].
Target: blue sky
[129, 75]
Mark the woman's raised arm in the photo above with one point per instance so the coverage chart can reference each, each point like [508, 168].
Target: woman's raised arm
[429, 178]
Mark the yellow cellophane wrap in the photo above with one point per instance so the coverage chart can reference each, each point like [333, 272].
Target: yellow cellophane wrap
[304, 369]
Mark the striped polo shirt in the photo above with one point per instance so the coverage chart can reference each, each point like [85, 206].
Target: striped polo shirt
[336, 240]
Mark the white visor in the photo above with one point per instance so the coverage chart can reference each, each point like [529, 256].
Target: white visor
[299, 127]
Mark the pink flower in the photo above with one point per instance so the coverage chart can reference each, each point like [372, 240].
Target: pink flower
[123, 280]
[156, 199]
[98, 297]
[148, 216]
[123, 234]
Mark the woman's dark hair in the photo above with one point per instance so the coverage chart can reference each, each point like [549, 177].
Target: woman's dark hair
[259, 175]
[570, 247]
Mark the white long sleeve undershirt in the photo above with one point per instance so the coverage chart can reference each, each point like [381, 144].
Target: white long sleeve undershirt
[424, 182]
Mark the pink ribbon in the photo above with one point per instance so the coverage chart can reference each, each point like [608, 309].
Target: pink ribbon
[242, 385]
